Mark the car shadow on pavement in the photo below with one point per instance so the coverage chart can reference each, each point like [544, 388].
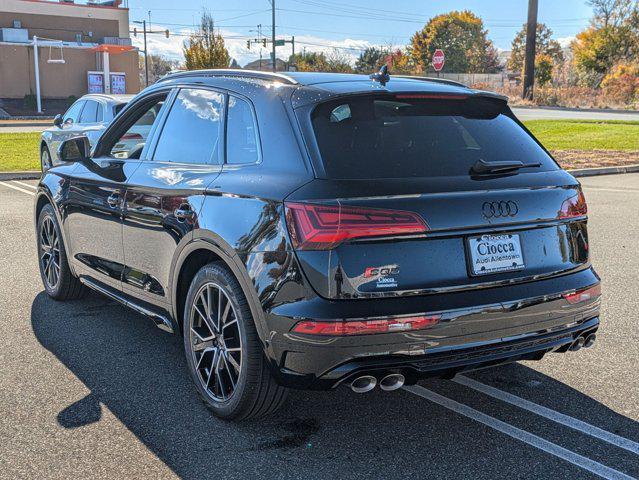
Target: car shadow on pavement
[139, 373]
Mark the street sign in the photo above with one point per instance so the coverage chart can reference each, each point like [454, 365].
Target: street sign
[280, 43]
[438, 60]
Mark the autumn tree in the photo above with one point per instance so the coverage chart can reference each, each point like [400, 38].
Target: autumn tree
[309, 62]
[612, 38]
[205, 48]
[463, 38]
[545, 45]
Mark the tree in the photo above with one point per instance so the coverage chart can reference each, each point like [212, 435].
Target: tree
[400, 63]
[545, 45]
[371, 59]
[543, 69]
[159, 66]
[205, 48]
[464, 40]
[337, 62]
[612, 38]
[309, 62]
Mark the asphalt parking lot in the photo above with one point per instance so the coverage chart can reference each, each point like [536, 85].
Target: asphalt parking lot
[90, 389]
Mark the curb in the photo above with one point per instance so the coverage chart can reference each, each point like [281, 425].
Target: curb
[33, 175]
[572, 109]
[591, 172]
[24, 124]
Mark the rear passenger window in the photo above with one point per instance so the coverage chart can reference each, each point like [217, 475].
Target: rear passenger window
[90, 112]
[241, 134]
[192, 132]
[100, 115]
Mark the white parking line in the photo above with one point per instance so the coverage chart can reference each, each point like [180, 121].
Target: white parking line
[519, 434]
[15, 187]
[28, 185]
[566, 420]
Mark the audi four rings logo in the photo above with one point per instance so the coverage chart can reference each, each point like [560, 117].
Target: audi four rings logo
[500, 209]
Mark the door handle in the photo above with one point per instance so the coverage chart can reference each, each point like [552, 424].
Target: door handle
[184, 214]
[114, 199]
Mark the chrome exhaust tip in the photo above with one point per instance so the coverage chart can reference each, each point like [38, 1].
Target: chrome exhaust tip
[392, 382]
[363, 384]
[590, 340]
[577, 344]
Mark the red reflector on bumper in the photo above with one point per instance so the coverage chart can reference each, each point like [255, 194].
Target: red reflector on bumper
[365, 327]
[583, 295]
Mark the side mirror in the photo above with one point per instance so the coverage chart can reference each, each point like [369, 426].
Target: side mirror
[57, 120]
[76, 149]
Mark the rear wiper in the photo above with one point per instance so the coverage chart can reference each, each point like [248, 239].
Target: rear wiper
[482, 166]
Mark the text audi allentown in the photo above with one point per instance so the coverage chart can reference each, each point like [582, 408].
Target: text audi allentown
[307, 230]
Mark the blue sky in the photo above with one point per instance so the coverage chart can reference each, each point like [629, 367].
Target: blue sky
[347, 25]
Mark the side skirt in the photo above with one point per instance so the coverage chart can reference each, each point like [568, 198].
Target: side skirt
[162, 322]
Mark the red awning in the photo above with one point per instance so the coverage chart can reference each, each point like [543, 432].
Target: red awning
[114, 49]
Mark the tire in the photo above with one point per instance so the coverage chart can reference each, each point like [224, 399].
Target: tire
[45, 158]
[230, 392]
[58, 281]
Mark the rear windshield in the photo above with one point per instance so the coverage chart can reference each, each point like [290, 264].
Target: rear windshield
[407, 136]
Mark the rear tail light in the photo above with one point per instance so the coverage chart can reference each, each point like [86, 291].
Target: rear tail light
[339, 328]
[583, 295]
[574, 206]
[322, 227]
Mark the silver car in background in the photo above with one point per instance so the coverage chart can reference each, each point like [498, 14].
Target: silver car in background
[89, 116]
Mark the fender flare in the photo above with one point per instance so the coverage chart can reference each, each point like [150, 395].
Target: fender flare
[215, 244]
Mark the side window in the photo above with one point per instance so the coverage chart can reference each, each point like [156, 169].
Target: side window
[241, 133]
[100, 116]
[132, 141]
[72, 115]
[192, 131]
[89, 112]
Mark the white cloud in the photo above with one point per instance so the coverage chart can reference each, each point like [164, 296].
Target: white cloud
[235, 42]
[565, 41]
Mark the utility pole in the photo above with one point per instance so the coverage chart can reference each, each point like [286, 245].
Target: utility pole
[531, 43]
[146, 58]
[273, 34]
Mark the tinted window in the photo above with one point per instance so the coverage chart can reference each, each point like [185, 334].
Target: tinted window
[241, 134]
[131, 142]
[73, 113]
[191, 133]
[394, 137]
[100, 115]
[89, 112]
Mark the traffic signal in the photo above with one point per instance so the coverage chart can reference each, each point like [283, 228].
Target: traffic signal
[264, 42]
[135, 32]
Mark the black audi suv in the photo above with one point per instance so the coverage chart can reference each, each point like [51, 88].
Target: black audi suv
[308, 230]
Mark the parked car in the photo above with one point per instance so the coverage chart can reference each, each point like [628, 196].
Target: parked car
[88, 116]
[311, 230]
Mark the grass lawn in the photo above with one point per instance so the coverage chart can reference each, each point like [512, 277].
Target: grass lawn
[19, 151]
[586, 135]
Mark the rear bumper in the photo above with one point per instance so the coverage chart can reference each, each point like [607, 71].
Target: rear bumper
[512, 323]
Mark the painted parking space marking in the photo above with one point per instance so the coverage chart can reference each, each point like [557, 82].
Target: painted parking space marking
[28, 185]
[15, 187]
[550, 414]
[519, 434]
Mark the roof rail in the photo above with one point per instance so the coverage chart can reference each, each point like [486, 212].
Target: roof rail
[230, 72]
[445, 81]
